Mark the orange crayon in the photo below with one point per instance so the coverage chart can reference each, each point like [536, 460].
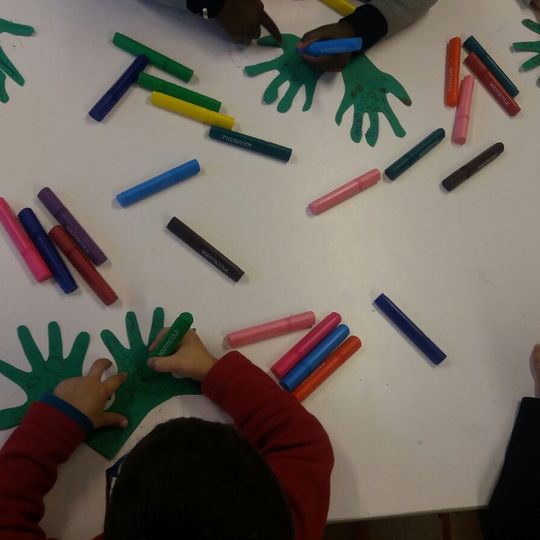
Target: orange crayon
[331, 364]
[453, 57]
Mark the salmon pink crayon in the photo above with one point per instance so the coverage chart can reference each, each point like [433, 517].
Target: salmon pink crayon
[76, 256]
[344, 192]
[331, 364]
[22, 242]
[493, 86]
[453, 56]
[271, 329]
[463, 111]
[305, 345]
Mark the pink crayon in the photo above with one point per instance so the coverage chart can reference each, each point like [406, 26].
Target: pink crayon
[463, 111]
[305, 345]
[271, 329]
[22, 242]
[344, 192]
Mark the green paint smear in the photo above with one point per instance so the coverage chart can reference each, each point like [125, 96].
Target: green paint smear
[366, 88]
[135, 399]
[529, 46]
[7, 69]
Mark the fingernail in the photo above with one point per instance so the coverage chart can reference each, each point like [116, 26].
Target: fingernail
[124, 424]
[150, 362]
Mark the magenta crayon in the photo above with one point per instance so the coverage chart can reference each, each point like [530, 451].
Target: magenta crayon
[463, 111]
[22, 242]
[344, 192]
[305, 345]
[271, 329]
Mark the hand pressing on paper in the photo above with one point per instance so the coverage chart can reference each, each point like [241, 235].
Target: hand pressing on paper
[190, 360]
[242, 20]
[334, 62]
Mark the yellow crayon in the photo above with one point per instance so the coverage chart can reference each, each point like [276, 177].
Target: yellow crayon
[192, 111]
[343, 7]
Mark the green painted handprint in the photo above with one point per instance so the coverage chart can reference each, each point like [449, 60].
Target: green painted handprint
[143, 391]
[366, 89]
[46, 373]
[292, 69]
[530, 46]
[6, 67]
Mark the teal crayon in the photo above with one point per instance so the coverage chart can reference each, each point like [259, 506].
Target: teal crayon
[414, 154]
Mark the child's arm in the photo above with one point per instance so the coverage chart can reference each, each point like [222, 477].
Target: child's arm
[372, 22]
[49, 433]
[290, 439]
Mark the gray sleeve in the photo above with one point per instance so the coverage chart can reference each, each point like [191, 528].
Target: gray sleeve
[171, 3]
[400, 13]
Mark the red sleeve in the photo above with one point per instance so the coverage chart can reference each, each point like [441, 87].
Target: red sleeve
[291, 440]
[28, 468]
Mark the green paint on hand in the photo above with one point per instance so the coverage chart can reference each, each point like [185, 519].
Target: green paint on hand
[291, 68]
[366, 89]
[530, 46]
[142, 392]
[45, 374]
[7, 69]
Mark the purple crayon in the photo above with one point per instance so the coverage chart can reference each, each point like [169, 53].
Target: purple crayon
[71, 225]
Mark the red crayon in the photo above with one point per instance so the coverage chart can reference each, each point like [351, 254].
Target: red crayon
[453, 56]
[493, 86]
[80, 261]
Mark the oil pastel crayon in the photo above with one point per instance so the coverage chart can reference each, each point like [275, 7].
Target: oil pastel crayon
[47, 250]
[453, 61]
[315, 358]
[410, 329]
[22, 242]
[191, 111]
[343, 7]
[205, 249]
[333, 46]
[248, 142]
[492, 85]
[149, 82]
[331, 364]
[154, 57]
[472, 167]
[305, 345]
[56, 207]
[344, 192]
[113, 95]
[471, 45]
[76, 256]
[271, 329]
[158, 183]
[414, 154]
[463, 111]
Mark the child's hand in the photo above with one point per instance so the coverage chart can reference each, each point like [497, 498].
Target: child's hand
[190, 360]
[90, 394]
[242, 20]
[333, 62]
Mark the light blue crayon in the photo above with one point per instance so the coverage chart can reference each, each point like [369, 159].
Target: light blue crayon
[315, 358]
[333, 46]
[158, 183]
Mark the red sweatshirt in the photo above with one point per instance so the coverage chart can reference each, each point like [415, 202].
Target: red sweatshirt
[291, 440]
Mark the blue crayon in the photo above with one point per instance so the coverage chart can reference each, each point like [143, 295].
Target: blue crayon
[158, 183]
[333, 46]
[410, 329]
[46, 249]
[101, 109]
[315, 358]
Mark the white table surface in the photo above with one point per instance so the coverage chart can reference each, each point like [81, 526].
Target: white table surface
[408, 437]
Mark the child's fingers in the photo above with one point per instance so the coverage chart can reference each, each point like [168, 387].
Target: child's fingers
[536, 352]
[159, 337]
[99, 367]
[163, 364]
[271, 26]
[112, 384]
[112, 419]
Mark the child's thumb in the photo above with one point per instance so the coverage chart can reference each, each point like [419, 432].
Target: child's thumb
[112, 419]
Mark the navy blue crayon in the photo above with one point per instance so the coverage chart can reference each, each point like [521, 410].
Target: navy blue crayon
[101, 109]
[410, 329]
[158, 183]
[46, 249]
[315, 358]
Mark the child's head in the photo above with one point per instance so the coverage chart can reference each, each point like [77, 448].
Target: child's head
[196, 480]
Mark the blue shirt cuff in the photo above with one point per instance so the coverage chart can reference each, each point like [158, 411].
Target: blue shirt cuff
[69, 410]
